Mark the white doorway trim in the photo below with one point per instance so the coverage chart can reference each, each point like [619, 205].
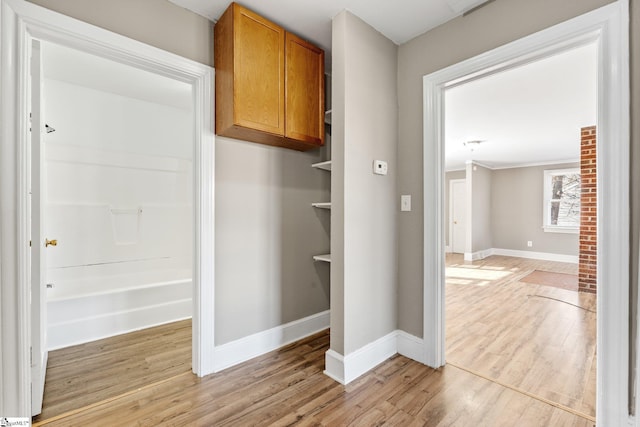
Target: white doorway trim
[21, 21]
[608, 27]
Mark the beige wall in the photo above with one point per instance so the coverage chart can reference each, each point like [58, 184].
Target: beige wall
[517, 206]
[363, 276]
[498, 23]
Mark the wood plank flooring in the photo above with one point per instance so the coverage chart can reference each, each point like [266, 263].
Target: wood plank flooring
[287, 387]
[502, 336]
[529, 336]
[88, 373]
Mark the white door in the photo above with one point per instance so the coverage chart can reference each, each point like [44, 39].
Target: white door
[458, 211]
[39, 242]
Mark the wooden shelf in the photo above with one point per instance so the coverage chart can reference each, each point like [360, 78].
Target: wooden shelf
[323, 258]
[323, 165]
[322, 205]
[327, 116]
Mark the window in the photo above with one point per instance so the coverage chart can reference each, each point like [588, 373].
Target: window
[562, 200]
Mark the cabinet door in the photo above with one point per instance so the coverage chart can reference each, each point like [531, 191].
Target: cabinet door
[304, 80]
[258, 72]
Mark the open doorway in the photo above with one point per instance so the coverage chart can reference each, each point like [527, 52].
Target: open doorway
[118, 202]
[515, 311]
[608, 27]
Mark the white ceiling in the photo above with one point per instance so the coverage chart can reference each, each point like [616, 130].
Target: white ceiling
[83, 69]
[399, 20]
[527, 115]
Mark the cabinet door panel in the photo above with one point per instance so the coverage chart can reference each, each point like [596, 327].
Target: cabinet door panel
[259, 73]
[304, 79]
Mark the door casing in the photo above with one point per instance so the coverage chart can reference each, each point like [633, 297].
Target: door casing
[607, 26]
[20, 22]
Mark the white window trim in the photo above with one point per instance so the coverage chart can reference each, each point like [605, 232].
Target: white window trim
[549, 228]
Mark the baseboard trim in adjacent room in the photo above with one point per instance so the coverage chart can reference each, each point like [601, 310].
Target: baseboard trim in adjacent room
[478, 255]
[543, 256]
[243, 349]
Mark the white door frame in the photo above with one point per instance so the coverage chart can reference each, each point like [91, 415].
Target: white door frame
[21, 21]
[608, 27]
[451, 183]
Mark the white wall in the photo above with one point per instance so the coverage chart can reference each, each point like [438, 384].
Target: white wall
[119, 202]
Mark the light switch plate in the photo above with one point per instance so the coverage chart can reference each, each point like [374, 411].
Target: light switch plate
[405, 203]
[380, 167]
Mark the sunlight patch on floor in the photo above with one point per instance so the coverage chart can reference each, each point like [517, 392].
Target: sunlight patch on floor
[475, 274]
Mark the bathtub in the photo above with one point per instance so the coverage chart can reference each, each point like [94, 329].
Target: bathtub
[87, 308]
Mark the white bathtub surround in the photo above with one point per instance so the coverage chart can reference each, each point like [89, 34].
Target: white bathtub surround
[91, 308]
[119, 202]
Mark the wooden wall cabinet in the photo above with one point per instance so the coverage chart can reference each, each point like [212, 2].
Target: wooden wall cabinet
[269, 82]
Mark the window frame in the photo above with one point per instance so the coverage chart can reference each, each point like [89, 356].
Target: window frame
[546, 201]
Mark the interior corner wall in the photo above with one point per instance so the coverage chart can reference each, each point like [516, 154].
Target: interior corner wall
[491, 26]
[364, 79]
[266, 235]
[479, 181]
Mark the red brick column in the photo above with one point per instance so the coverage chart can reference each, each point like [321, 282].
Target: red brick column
[587, 266]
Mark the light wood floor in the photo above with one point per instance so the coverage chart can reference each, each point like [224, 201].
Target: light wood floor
[505, 344]
[88, 373]
[287, 387]
[515, 333]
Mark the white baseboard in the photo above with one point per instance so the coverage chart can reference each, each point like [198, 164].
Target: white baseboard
[83, 330]
[345, 369]
[543, 256]
[243, 349]
[478, 255]
[411, 346]
[447, 249]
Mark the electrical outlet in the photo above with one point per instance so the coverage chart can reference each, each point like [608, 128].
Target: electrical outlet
[529, 243]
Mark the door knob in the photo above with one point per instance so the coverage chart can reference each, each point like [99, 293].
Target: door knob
[455, 222]
[48, 242]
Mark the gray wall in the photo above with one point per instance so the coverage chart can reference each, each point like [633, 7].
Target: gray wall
[498, 23]
[266, 234]
[266, 230]
[461, 174]
[365, 212]
[479, 216]
[157, 23]
[517, 206]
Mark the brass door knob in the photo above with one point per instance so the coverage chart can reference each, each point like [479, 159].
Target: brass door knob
[48, 242]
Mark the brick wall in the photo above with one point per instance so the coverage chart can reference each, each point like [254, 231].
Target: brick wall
[588, 210]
